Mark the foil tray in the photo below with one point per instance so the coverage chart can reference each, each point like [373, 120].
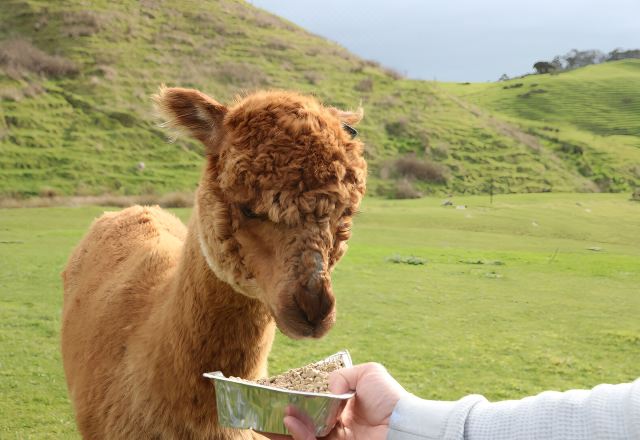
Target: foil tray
[262, 408]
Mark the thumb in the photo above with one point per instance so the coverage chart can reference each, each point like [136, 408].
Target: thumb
[346, 379]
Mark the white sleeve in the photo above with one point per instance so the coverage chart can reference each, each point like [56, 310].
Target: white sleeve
[417, 419]
[606, 412]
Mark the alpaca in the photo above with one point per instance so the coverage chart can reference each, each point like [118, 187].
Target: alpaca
[150, 305]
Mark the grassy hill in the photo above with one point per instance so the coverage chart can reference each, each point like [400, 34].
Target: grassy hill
[75, 114]
[603, 99]
[587, 116]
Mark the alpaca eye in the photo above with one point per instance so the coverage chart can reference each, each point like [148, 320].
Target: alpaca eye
[348, 212]
[247, 212]
[349, 129]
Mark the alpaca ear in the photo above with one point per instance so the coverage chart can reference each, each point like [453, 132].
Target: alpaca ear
[351, 118]
[192, 111]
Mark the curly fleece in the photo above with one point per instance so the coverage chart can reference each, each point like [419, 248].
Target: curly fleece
[150, 305]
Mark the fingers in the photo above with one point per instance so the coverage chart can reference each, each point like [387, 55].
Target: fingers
[346, 379]
[304, 418]
[274, 436]
[298, 430]
[343, 380]
[298, 427]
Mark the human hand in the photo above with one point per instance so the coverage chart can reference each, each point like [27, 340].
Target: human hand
[366, 415]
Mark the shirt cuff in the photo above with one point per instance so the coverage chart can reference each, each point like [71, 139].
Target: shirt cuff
[417, 419]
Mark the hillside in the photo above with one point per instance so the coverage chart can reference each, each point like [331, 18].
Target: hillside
[588, 116]
[75, 113]
[603, 99]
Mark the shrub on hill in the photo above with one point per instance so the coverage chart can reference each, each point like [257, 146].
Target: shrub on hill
[81, 23]
[364, 86]
[408, 170]
[405, 190]
[438, 152]
[242, 74]
[424, 170]
[397, 128]
[19, 57]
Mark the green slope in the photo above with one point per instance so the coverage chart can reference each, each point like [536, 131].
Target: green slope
[86, 132]
[589, 117]
[603, 99]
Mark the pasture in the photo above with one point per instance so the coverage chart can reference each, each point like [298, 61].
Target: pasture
[532, 292]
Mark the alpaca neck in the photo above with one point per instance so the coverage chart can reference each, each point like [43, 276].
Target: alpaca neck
[223, 329]
[201, 325]
[208, 326]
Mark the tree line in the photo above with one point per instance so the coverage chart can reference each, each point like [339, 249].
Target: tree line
[579, 58]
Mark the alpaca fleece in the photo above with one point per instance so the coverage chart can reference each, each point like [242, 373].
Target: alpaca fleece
[150, 305]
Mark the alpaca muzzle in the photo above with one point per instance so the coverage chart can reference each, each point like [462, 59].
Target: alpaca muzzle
[310, 310]
[316, 300]
[315, 305]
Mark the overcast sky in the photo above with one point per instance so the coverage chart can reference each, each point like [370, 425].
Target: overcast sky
[465, 40]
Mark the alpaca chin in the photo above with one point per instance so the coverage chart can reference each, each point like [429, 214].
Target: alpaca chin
[293, 323]
[217, 270]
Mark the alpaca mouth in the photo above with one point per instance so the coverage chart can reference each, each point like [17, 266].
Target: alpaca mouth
[296, 323]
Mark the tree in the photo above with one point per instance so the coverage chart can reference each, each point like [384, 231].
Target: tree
[544, 67]
[619, 54]
[579, 58]
[557, 63]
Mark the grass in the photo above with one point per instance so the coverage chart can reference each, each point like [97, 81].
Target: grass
[85, 130]
[509, 300]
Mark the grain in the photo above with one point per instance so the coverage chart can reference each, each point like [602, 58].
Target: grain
[313, 378]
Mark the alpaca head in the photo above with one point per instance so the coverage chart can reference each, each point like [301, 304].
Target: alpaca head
[283, 179]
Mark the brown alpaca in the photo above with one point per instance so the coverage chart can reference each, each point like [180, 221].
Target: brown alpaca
[150, 305]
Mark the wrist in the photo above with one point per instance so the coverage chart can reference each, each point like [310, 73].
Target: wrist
[393, 400]
[413, 417]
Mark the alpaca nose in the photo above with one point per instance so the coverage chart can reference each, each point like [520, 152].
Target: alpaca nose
[316, 300]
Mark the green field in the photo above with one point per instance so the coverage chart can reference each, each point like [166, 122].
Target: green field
[533, 292]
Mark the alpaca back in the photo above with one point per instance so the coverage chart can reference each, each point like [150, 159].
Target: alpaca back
[111, 281]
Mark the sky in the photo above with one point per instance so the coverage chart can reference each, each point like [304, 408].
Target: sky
[465, 40]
